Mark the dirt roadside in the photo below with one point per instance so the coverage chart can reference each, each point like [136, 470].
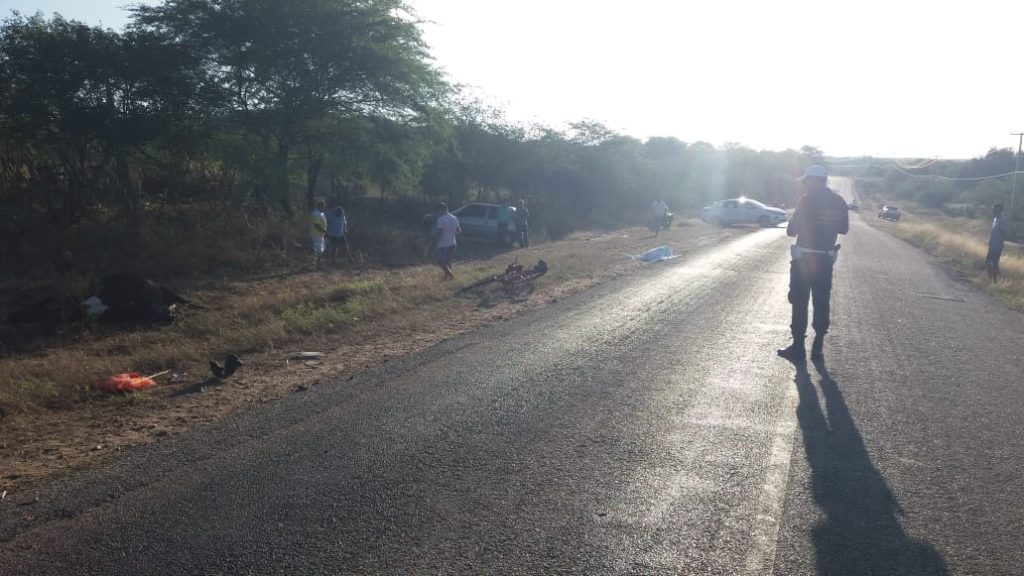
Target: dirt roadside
[36, 446]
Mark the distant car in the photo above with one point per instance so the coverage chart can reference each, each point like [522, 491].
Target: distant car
[853, 206]
[742, 211]
[890, 213]
[480, 220]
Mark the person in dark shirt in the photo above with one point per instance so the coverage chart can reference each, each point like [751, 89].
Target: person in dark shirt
[819, 217]
[996, 238]
[337, 234]
[522, 221]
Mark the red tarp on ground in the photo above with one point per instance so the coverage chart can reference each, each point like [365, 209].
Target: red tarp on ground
[124, 382]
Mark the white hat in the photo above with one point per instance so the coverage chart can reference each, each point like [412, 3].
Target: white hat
[815, 171]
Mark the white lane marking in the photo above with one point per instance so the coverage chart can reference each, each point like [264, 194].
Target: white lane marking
[765, 532]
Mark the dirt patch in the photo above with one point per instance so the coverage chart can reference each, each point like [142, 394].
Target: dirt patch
[37, 444]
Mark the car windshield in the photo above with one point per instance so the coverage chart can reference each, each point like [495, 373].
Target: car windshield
[753, 203]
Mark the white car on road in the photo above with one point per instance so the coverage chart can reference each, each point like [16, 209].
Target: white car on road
[743, 211]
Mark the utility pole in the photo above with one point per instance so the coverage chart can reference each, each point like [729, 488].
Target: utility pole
[1016, 169]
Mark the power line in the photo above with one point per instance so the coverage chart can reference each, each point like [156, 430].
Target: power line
[1016, 169]
[960, 179]
[918, 166]
[902, 166]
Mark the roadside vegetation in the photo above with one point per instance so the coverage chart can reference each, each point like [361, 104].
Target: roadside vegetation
[357, 316]
[305, 309]
[242, 316]
[954, 188]
[956, 237]
[964, 246]
[189, 147]
[194, 142]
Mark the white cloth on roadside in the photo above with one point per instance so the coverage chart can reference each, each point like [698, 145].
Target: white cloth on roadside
[655, 255]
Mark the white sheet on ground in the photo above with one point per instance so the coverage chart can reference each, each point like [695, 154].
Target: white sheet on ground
[655, 255]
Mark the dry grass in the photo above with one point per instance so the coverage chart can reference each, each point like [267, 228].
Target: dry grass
[962, 244]
[270, 314]
[242, 316]
[357, 317]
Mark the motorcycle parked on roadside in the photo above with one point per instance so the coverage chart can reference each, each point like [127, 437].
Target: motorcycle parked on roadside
[663, 223]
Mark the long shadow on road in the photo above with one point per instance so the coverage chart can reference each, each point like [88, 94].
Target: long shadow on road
[862, 532]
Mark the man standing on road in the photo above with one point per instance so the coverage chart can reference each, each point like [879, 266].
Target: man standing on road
[995, 242]
[447, 228]
[820, 215]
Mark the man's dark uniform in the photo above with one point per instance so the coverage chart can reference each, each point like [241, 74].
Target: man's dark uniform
[820, 216]
[522, 220]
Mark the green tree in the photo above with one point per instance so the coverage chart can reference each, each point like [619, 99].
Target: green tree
[284, 67]
[987, 193]
[79, 101]
[666, 160]
[812, 154]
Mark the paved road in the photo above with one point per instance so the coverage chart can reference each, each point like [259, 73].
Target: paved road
[644, 427]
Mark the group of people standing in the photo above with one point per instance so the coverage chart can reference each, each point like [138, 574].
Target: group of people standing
[329, 233]
[515, 217]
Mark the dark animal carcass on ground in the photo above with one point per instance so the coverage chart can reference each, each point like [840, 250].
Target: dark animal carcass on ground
[135, 298]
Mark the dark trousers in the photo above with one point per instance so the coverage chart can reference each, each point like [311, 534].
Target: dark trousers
[810, 277]
[992, 259]
[524, 235]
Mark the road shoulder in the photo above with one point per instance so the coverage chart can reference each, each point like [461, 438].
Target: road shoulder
[40, 445]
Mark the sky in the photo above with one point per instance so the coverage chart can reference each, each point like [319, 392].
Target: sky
[894, 78]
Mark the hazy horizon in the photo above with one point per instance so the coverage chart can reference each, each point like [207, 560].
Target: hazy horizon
[887, 80]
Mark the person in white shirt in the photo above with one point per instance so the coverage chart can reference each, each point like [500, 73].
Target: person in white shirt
[317, 230]
[446, 229]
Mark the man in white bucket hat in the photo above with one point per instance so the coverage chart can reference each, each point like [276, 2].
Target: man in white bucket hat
[819, 217]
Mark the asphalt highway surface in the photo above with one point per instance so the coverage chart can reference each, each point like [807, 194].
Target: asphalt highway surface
[643, 427]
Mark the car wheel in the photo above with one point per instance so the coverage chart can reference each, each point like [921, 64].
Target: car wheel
[763, 222]
[716, 221]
